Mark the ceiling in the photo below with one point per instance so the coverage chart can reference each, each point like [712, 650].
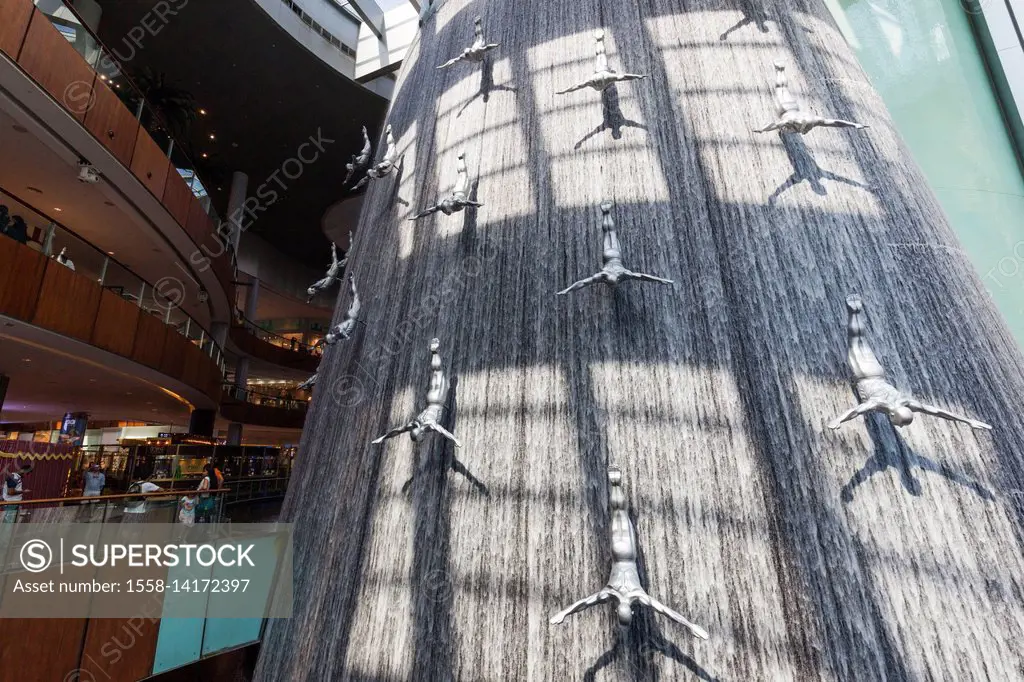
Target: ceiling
[46, 382]
[264, 95]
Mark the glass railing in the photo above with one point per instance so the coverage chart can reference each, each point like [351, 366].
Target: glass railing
[163, 506]
[255, 397]
[177, 467]
[165, 122]
[280, 341]
[52, 239]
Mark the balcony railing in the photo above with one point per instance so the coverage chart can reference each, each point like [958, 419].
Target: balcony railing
[280, 341]
[49, 237]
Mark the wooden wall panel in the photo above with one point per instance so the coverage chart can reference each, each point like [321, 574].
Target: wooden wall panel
[116, 322]
[177, 197]
[20, 279]
[173, 361]
[67, 302]
[200, 225]
[120, 649]
[14, 18]
[40, 648]
[150, 335]
[50, 59]
[112, 123]
[150, 164]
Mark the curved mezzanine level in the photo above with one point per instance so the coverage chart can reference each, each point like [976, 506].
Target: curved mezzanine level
[62, 111]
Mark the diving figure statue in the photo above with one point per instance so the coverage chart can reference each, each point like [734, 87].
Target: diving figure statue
[360, 161]
[477, 51]
[430, 418]
[333, 275]
[624, 582]
[877, 394]
[613, 271]
[793, 118]
[458, 199]
[387, 163]
[343, 330]
[603, 76]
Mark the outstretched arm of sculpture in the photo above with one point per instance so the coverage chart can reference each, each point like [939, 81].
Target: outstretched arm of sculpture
[630, 76]
[777, 125]
[309, 383]
[582, 604]
[853, 413]
[653, 603]
[444, 432]
[840, 123]
[395, 432]
[593, 279]
[645, 277]
[453, 60]
[945, 414]
[362, 183]
[425, 212]
[581, 86]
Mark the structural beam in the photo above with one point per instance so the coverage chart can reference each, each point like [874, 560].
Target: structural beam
[371, 14]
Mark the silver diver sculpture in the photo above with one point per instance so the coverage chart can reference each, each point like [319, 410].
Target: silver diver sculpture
[386, 165]
[458, 199]
[333, 275]
[477, 51]
[793, 118]
[624, 582]
[343, 330]
[603, 76]
[437, 395]
[613, 271]
[877, 394]
[360, 161]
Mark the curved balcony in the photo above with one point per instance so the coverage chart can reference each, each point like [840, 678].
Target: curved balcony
[99, 110]
[106, 321]
[252, 341]
[246, 406]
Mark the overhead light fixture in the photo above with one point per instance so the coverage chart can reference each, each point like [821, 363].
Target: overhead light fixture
[110, 253]
[202, 112]
[26, 359]
[58, 210]
[212, 136]
[205, 155]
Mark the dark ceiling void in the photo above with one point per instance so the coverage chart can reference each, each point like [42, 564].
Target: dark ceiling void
[272, 110]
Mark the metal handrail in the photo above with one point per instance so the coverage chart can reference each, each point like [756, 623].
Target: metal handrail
[258, 330]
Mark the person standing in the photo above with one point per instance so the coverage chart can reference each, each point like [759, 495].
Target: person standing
[94, 481]
[205, 507]
[13, 491]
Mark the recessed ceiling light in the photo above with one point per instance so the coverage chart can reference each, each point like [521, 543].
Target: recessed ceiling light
[235, 145]
[205, 155]
[34, 189]
[110, 253]
[202, 112]
[58, 210]
[212, 136]
[26, 359]
[20, 128]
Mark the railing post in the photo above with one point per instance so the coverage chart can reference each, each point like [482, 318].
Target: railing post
[170, 148]
[103, 270]
[142, 292]
[51, 230]
[167, 316]
[140, 109]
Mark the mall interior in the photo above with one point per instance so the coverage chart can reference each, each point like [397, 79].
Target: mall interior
[172, 180]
